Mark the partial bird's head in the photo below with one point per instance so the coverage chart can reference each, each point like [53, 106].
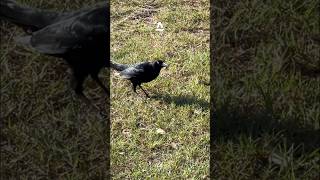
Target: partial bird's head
[160, 63]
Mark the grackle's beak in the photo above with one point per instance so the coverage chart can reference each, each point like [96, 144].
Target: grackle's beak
[164, 65]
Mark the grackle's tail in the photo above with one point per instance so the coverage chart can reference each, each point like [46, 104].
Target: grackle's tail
[30, 19]
[117, 66]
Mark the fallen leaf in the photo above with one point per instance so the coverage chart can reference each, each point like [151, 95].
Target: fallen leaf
[174, 145]
[126, 132]
[160, 131]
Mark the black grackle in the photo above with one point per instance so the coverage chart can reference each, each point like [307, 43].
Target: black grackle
[139, 73]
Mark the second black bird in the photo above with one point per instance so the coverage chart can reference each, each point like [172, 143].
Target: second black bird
[79, 37]
[139, 73]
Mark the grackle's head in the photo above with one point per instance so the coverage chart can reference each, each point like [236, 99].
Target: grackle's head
[160, 63]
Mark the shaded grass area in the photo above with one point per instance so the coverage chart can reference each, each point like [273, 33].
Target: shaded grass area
[167, 136]
[47, 132]
[266, 89]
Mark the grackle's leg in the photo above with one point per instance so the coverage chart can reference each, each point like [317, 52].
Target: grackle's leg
[96, 78]
[134, 87]
[77, 83]
[144, 91]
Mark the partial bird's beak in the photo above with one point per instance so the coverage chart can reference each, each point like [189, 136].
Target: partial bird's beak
[164, 65]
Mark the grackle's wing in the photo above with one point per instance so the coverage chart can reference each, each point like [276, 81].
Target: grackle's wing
[135, 71]
[131, 72]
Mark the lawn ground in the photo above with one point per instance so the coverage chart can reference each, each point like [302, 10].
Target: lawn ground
[265, 86]
[167, 136]
[46, 131]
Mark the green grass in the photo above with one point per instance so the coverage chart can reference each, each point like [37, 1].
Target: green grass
[180, 103]
[46, 132]
[266, 89]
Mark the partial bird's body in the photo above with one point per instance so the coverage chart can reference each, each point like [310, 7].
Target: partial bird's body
[139, 73]
[80, 37]
[34, 19]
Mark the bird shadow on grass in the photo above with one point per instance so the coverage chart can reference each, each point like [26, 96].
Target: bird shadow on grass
[182, 100]
[233, 121]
